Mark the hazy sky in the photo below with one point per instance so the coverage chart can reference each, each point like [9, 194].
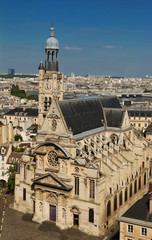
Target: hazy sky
[107, 37]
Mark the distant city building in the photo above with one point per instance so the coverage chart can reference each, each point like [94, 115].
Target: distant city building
[140, 119]
[72, 75]
[11, 71]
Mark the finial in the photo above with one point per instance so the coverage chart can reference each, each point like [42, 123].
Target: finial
[52, 31]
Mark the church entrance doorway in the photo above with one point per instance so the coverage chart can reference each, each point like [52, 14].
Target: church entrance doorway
[76, 220]
[52, 213]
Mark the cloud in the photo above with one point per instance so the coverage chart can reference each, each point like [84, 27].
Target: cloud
[109, 47]
[73, 48]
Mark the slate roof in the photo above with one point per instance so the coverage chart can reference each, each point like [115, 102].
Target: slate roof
[29, 112]
[114, 117]
[140, 113]
[86, 114]
[140, 210]
[33, 127]
[149, 129]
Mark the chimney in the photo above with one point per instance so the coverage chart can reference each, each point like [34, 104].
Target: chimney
[150, 204]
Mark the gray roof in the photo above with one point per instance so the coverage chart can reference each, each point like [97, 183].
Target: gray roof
[52, 43]
[114, 117]
[27, 112]
[140, 210]
[140, 113]
[82, 115]
[149, 129]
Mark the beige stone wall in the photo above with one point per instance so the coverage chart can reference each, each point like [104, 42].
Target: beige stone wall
[136, 235]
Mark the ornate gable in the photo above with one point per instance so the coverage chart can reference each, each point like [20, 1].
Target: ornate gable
[50, 181]
[54, 122]
[53, 181]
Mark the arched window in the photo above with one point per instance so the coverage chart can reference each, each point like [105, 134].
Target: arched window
[126, 194]
[53, 56]
[150, 172]
[139, 184]
[91, 215]
[115, 203]
[110, 190]
[108, 208]
[120, 199]
[135, 186]
[145, 179]
[114, 138]
[131, 190]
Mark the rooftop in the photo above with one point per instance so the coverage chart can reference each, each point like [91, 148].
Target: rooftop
[139, 211]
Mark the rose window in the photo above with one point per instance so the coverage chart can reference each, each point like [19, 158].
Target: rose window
[52, 158]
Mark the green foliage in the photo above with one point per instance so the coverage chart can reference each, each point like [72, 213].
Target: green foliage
[32, 97]
[16, 149]
[18, 137]
[15, 91]
[11, 177]
[147, 90]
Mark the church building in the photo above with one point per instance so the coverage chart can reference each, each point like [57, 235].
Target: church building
[88, 164]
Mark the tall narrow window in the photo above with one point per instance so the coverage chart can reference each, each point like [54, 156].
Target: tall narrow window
[135, 186]
[76, 185]
[120, 199]
[24, 194]
[126, 194]
[145, 179]
[91, 215]
[92, 188]
[131, 190]
[108, 208]
[115, 203]
[139, 184]
[24, 171]
[33, 206]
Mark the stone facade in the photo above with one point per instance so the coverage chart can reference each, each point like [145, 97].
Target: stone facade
[88, 165]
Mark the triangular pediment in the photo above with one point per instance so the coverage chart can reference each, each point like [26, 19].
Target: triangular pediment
[52, 180]
[54, 122]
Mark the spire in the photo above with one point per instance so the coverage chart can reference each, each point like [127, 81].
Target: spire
[41, 66]
[52, 31]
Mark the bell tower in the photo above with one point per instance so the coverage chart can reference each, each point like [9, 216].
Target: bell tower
[50, 79]
[51, 52]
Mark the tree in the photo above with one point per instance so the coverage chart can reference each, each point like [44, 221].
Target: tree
[11, 177]
[18, 137]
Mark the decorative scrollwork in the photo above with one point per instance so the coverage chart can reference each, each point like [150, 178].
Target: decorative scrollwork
[54, 125]
[52, 158]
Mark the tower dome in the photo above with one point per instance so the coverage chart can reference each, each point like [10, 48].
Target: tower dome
[52, 42]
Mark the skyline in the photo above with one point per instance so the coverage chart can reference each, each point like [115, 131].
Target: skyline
[95, 37]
